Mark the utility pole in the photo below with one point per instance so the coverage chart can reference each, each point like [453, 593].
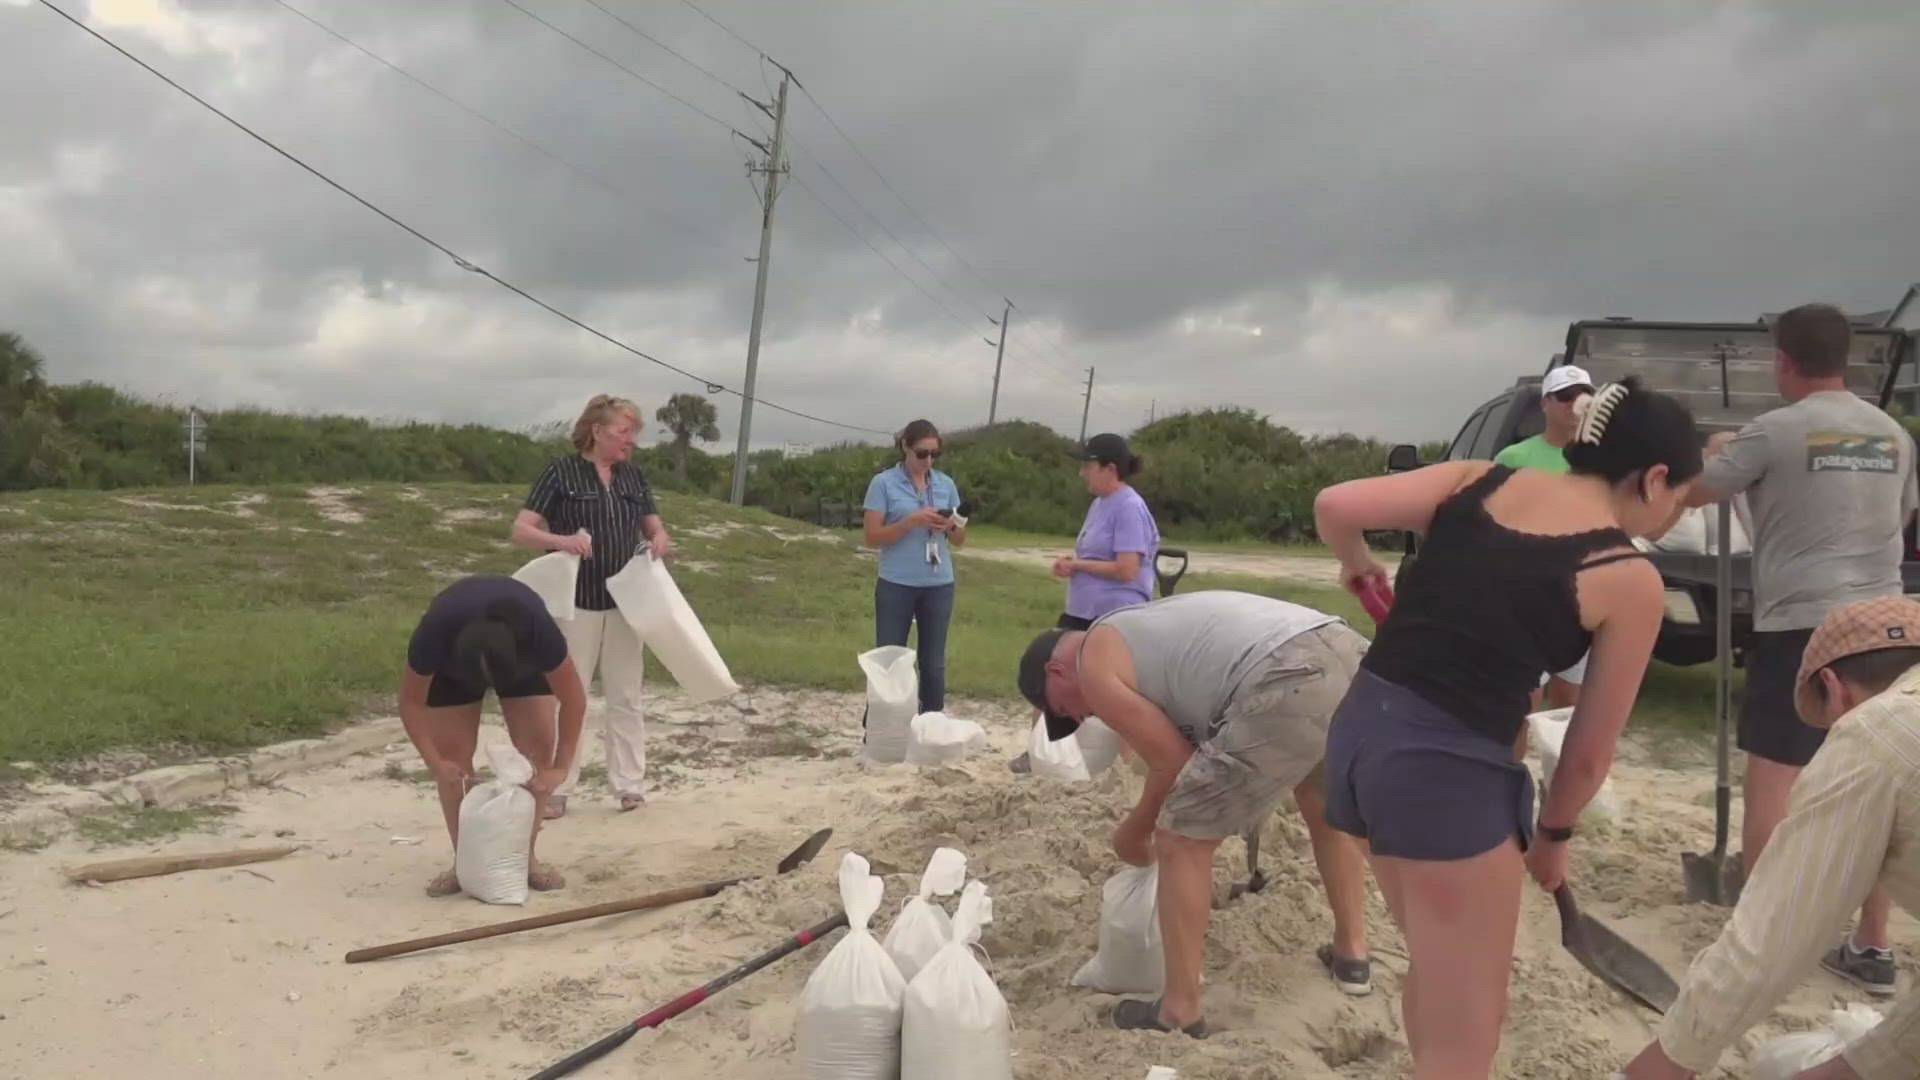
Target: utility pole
[1088, 404]
[196, 441]
[1000, 353]
[771, 168]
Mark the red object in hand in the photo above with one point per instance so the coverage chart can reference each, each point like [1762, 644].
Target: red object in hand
[1377, 598]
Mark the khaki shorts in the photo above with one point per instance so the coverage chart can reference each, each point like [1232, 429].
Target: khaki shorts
[1273, 736]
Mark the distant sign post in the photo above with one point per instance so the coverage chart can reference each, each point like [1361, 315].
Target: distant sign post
[196, 427]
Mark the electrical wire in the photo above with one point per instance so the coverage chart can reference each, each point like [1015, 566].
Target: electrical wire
[677, 54]
[514, 4]
[712, 387]
[608, 186]
[697, 10]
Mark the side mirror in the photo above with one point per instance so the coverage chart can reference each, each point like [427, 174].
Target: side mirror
[1403, 458]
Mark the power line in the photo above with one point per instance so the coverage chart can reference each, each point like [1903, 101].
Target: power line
[677, 54]
[482, 117]
[712, 387]
[514, 4]
[697, 10]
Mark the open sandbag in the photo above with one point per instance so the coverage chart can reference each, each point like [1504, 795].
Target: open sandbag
[1055, 759]
[955, 1025]
[893, 696]
[1129, 960]
[923, 927]
[1786, 1056]
[554, 576]
[935, 738]
[849, 1024]
[1549, 730]
[496, 829]
[651, 603]
[1100, 745]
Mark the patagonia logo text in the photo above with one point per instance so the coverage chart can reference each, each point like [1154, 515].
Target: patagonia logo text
[1831, 451]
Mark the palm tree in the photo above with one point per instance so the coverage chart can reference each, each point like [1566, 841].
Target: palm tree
[689, 417]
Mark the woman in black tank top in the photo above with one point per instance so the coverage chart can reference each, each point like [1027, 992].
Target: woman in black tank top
[1520, 572]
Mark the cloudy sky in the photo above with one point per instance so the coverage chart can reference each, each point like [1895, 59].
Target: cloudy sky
[1349, 216]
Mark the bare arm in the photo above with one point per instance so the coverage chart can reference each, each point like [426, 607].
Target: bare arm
[1622, 643]
[879, 534]
[530, 531]
[565, 681]
[1405, 500]
[1123, 567]
[1106, 671]
[413, 718]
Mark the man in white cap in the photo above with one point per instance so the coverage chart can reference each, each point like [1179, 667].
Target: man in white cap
[1546, 451]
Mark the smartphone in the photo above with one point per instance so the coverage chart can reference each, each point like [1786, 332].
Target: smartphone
[944, 513]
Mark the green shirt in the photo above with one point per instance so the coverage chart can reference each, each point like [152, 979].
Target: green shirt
[1534, 453]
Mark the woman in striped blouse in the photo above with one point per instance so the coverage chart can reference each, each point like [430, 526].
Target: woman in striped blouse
[597, 504]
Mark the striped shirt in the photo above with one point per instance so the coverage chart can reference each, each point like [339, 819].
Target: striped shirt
[570, 496]
[1853, 822]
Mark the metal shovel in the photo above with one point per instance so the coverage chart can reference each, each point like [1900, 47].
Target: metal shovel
[1256, 877]
[1714, 878]
[1611, 957]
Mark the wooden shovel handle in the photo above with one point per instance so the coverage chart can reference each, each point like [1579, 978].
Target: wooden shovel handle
[611, 907]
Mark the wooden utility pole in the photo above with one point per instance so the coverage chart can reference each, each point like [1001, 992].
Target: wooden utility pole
[771, 168]
[1000, 354]
[1085, 406]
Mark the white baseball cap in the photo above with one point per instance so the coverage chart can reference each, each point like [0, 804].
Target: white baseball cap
[1564, 377]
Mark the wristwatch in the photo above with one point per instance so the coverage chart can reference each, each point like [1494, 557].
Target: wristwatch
[1557, 835]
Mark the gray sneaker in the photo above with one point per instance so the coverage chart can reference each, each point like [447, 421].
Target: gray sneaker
[1871, 970]
[1021, 764]
[1353, 977]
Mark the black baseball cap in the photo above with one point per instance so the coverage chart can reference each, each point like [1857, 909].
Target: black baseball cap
[1108, 449]
[1033, 683]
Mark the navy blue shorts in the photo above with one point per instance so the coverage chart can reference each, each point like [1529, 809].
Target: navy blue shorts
[1770, 726]
[1415, 783]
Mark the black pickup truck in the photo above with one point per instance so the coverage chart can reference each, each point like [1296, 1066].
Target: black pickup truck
[1724, 372]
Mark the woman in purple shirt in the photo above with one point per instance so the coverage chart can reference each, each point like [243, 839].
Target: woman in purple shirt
[1112, 562]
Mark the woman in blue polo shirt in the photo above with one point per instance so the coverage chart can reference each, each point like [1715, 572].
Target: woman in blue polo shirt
[910, 519]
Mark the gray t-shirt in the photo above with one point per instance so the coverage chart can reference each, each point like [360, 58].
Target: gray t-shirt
[1191, 652]
[1831, 481]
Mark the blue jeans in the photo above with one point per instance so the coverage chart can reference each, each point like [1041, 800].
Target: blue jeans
[895, 609]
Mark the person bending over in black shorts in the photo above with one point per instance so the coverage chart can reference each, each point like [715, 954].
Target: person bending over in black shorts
[482, 632]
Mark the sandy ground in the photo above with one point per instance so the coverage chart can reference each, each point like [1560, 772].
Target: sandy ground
[1307, 569]
[238, 973]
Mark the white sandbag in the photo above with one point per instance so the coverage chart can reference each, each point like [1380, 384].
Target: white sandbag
[651, 603]
[849, 1024]
[893, 696]
[1099, 745]
[1129, 960]
[553, 576]
[1055, 759]
[1697, 532]
[1786, 1056]
[1549, 732]
[923, 927]
[496, 828]
[935, 738]
[955, 1025]
[1161, 1072]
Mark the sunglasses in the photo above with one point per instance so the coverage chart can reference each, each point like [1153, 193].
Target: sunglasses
[925, 454]
[1571, 394]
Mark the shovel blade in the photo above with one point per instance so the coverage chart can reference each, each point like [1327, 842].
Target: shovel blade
[805, 852]
[1713, 878]
[1619, 964]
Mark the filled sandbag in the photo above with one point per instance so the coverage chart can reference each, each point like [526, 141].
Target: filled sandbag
[1129, 959]
[553, 576]
[1549, 729]
[955, 1025]
[893, 696]
[1100, 745]
[849, 1023]
[935, 738]
[496, 829]
[923, 927]
[1786, 1056]
[1055, 759]
[660, 616]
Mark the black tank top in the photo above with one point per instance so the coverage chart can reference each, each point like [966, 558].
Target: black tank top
[1485, 610]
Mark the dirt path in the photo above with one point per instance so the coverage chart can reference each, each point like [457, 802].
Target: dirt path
[1305, 569]
[238, 973]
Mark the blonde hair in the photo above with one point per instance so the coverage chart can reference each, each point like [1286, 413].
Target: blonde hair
[601, 410]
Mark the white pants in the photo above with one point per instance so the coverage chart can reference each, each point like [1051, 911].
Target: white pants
[1577, 674]
[605, 641]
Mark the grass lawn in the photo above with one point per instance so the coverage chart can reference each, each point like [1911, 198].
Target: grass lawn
[178, 621]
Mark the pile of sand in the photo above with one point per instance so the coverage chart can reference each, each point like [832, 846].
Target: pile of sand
[220, 974]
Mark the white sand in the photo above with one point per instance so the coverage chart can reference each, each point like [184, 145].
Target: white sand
[222, 973]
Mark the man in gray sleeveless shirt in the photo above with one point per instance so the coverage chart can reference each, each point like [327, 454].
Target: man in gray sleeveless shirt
[1225, 696]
